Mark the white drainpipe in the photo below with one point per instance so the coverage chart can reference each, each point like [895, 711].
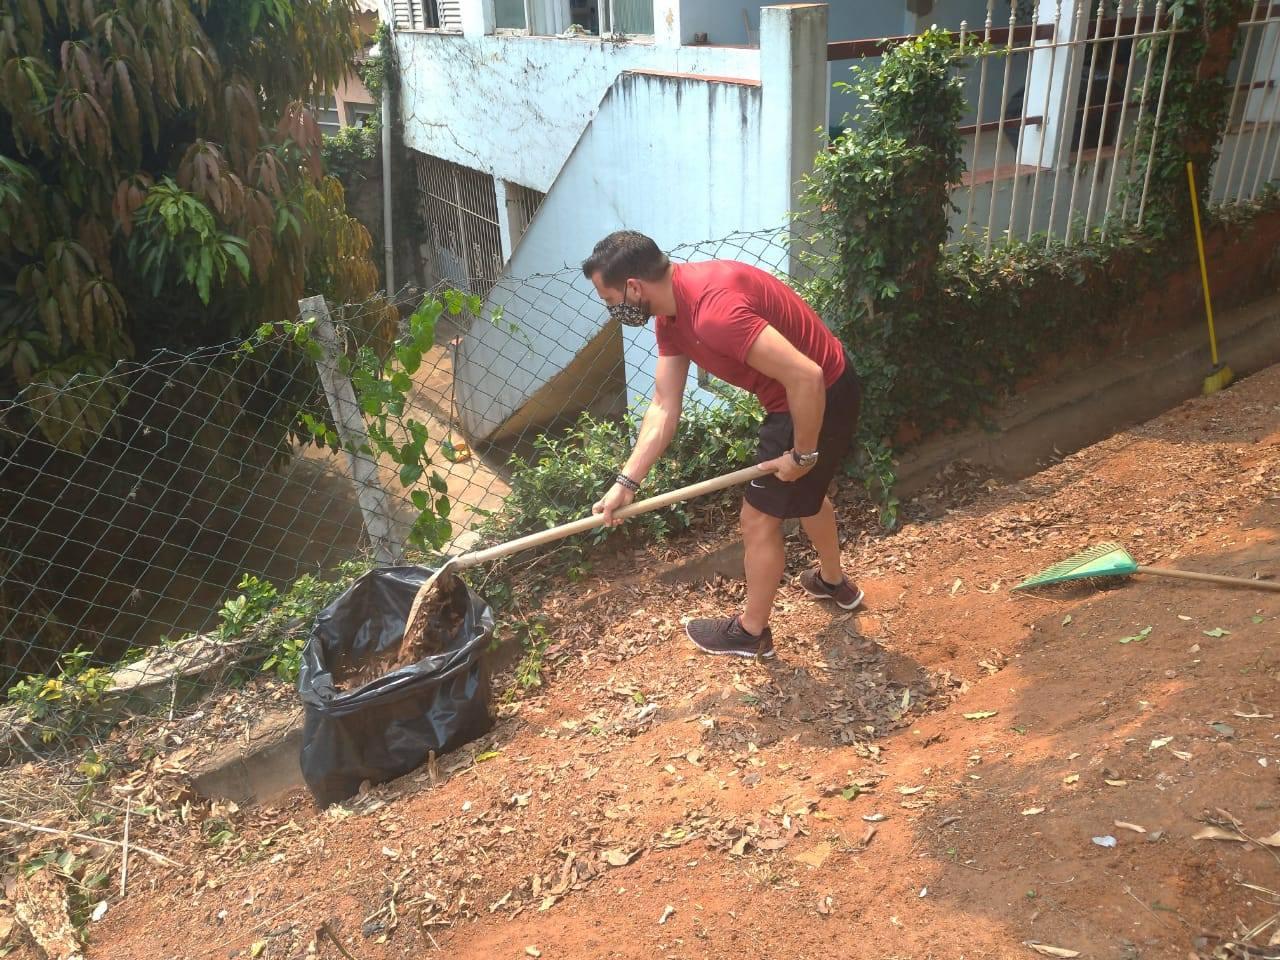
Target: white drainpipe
[388, 246]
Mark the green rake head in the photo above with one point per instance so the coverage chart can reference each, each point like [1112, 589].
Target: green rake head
[1102, 560]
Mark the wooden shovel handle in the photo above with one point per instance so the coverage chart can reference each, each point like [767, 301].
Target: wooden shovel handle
[580, 526]
[1211, 578]
[597, 519]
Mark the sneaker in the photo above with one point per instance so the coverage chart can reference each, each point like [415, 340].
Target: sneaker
[724, 636]
[846, 594]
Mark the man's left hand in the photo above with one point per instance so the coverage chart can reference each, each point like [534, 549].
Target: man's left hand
[785, 468]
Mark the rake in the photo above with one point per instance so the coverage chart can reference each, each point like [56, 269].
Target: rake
[1112, 560]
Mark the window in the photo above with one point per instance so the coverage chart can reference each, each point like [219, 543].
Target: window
[630, 17]
[427, 14]
[460, 208]
[358, 113]
[326, 111]
[522, 204]
[509, 15]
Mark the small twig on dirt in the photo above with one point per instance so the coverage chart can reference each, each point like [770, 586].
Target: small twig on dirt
[270, 921]
[333, 938]
[1130, 892]
[432, 939]
[1260, 928]
[124, 859]
[13, 728]
[159, 857]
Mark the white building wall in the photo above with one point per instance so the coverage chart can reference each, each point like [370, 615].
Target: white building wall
[685, 159]
[625, 172]
[515, 106]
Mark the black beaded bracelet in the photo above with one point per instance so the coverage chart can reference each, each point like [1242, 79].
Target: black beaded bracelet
[627, 482]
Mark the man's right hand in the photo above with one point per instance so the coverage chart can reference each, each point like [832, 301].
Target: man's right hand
[617, 498]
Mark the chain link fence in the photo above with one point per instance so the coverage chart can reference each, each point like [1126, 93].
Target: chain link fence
[138, 501]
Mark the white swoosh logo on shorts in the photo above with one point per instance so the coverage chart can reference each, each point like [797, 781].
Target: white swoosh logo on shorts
[757, 484]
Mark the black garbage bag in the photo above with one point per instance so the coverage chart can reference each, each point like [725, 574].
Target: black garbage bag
[381, 727]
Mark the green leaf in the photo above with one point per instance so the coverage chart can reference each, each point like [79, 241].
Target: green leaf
[410, 473]
[1217, 633]
[850, 793]
[1140, 635]
[487, 755]
[981, 714]
[1258, 619]
[409, 358]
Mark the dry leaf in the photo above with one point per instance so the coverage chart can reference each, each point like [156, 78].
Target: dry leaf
[667, 911]
[816, 856]
[1071, 778]
[824, 906]
[1271, 841]
[257, 948]
[617, 857]
[533, 951]
[1160, 742]
[1181, 754]
[875, 818]
[1116, 783]
[1130, 826]
[981, 714]
[1217, 833]
[908, 791]
[1048, 950]
[1254, 716]
[1033, 811]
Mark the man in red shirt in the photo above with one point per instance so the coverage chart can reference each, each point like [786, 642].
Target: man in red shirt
[752, 330]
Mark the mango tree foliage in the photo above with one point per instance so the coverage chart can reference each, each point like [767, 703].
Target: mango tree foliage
[160, 185]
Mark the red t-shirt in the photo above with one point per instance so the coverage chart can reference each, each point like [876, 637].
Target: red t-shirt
[722, 306]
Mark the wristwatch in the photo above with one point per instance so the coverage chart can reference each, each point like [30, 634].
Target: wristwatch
[804, 459]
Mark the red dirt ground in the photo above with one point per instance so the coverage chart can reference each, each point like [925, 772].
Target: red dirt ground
[650, 802]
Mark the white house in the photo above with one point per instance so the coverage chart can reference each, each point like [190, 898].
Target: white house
[537, 126]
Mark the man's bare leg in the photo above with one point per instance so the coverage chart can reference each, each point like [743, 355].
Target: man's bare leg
[764, 559]
[822, 533]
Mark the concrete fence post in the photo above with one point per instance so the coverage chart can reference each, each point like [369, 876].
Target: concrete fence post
[380, 522]
[793, 78]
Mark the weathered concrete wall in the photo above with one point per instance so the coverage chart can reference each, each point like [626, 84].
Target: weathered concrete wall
[710, 187]
[515, 106]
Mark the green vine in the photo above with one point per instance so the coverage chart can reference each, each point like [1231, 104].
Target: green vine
[879, 199]
[349, 154]
[940, 334]
[1197, 98]
[383, 383]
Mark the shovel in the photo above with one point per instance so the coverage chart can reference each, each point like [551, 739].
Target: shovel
[550, 535]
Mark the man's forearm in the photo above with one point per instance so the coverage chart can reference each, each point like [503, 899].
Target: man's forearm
[807, 399]
[656, 430]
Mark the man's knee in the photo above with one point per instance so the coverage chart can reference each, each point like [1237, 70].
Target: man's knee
[757, 522]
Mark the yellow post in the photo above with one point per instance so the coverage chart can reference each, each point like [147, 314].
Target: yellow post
[1204, 270]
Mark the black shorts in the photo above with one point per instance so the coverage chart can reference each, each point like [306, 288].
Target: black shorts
[803, 497]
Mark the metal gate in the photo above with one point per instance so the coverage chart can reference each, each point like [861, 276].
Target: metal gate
[460, 209]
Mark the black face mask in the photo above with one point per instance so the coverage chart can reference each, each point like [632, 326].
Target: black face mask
[631, 315]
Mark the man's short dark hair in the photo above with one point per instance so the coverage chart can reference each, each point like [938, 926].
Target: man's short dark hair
[625, 254]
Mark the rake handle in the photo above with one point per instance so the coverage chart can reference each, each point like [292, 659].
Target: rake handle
[1210, 578]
